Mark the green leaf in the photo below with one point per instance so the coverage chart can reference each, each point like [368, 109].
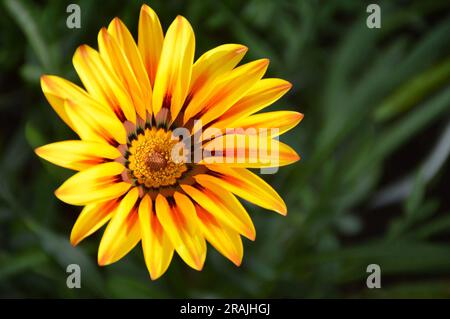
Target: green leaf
[405, 128]
[22, 13]
[414, 91]
[11, 265]
[65, 254]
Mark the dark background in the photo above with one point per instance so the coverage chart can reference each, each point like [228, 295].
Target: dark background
[371, 186]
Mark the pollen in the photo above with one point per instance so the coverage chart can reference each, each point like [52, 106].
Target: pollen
[156, 159]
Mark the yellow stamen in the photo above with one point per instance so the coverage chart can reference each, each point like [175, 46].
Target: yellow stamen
[151, 162]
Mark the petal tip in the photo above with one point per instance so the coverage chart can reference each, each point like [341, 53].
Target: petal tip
[38, 151]
[103, 260]
[43, 78]
[264, 62]
[155, 273]
[251, 236]
[147, 10]
[237, 261]
[284, 85]
[59, 193]
[74, 241]
[282, 211]
[241, 49]
[199, 266]
[154, 277]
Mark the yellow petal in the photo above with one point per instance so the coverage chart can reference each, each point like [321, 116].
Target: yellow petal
[223, 238]
[57, 90]
[60, 92]
[262, 94]
[230, 89]
[211, 65]
[224, 206]
[174, 68]
[101, 82]
[251, 151]
[150, 41]
[77, 155]
[156, 245]
[98, 183]
[122, 35]
[123, 231]
[95, 124]
[180, 222]
[91, 218]
[283, 121]
[116, 60]
[245, 184]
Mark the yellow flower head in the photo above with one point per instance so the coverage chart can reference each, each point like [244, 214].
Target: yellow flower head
[157, 159]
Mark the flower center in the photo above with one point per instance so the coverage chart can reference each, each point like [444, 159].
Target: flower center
[154, 159]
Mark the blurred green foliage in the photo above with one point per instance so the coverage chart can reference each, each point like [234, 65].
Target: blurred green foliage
[371, 186]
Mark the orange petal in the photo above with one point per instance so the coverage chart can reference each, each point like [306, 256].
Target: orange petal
[156, 245]
[210, 66]
[98, 183]
[245, 184]
[262, 94]
[117, 61]
[123, 231]
[77, 155]
[91, 218]
[251, 151]
[173, 78]
[150, 41]
[224, 206]
[102, 83]
[223, 238]
[229, 89]
[180, 222]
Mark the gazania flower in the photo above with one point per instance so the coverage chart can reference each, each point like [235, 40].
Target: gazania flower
[136, 97]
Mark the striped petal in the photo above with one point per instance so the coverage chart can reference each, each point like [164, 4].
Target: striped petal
[123, 231]
[229, 90]
[281, 120]
[207, 69]
[117, 61]
[245, 184]
[91, 218]
[150, 41]
[95, 124]
[223, 238]
[262, 94]
[224, 206]
[179, 220]
[57, 90]
[122, 35]
[77, 155]
[173, 78]
[102, 83]
[98, 183]
[251, 151]
[156, 245]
